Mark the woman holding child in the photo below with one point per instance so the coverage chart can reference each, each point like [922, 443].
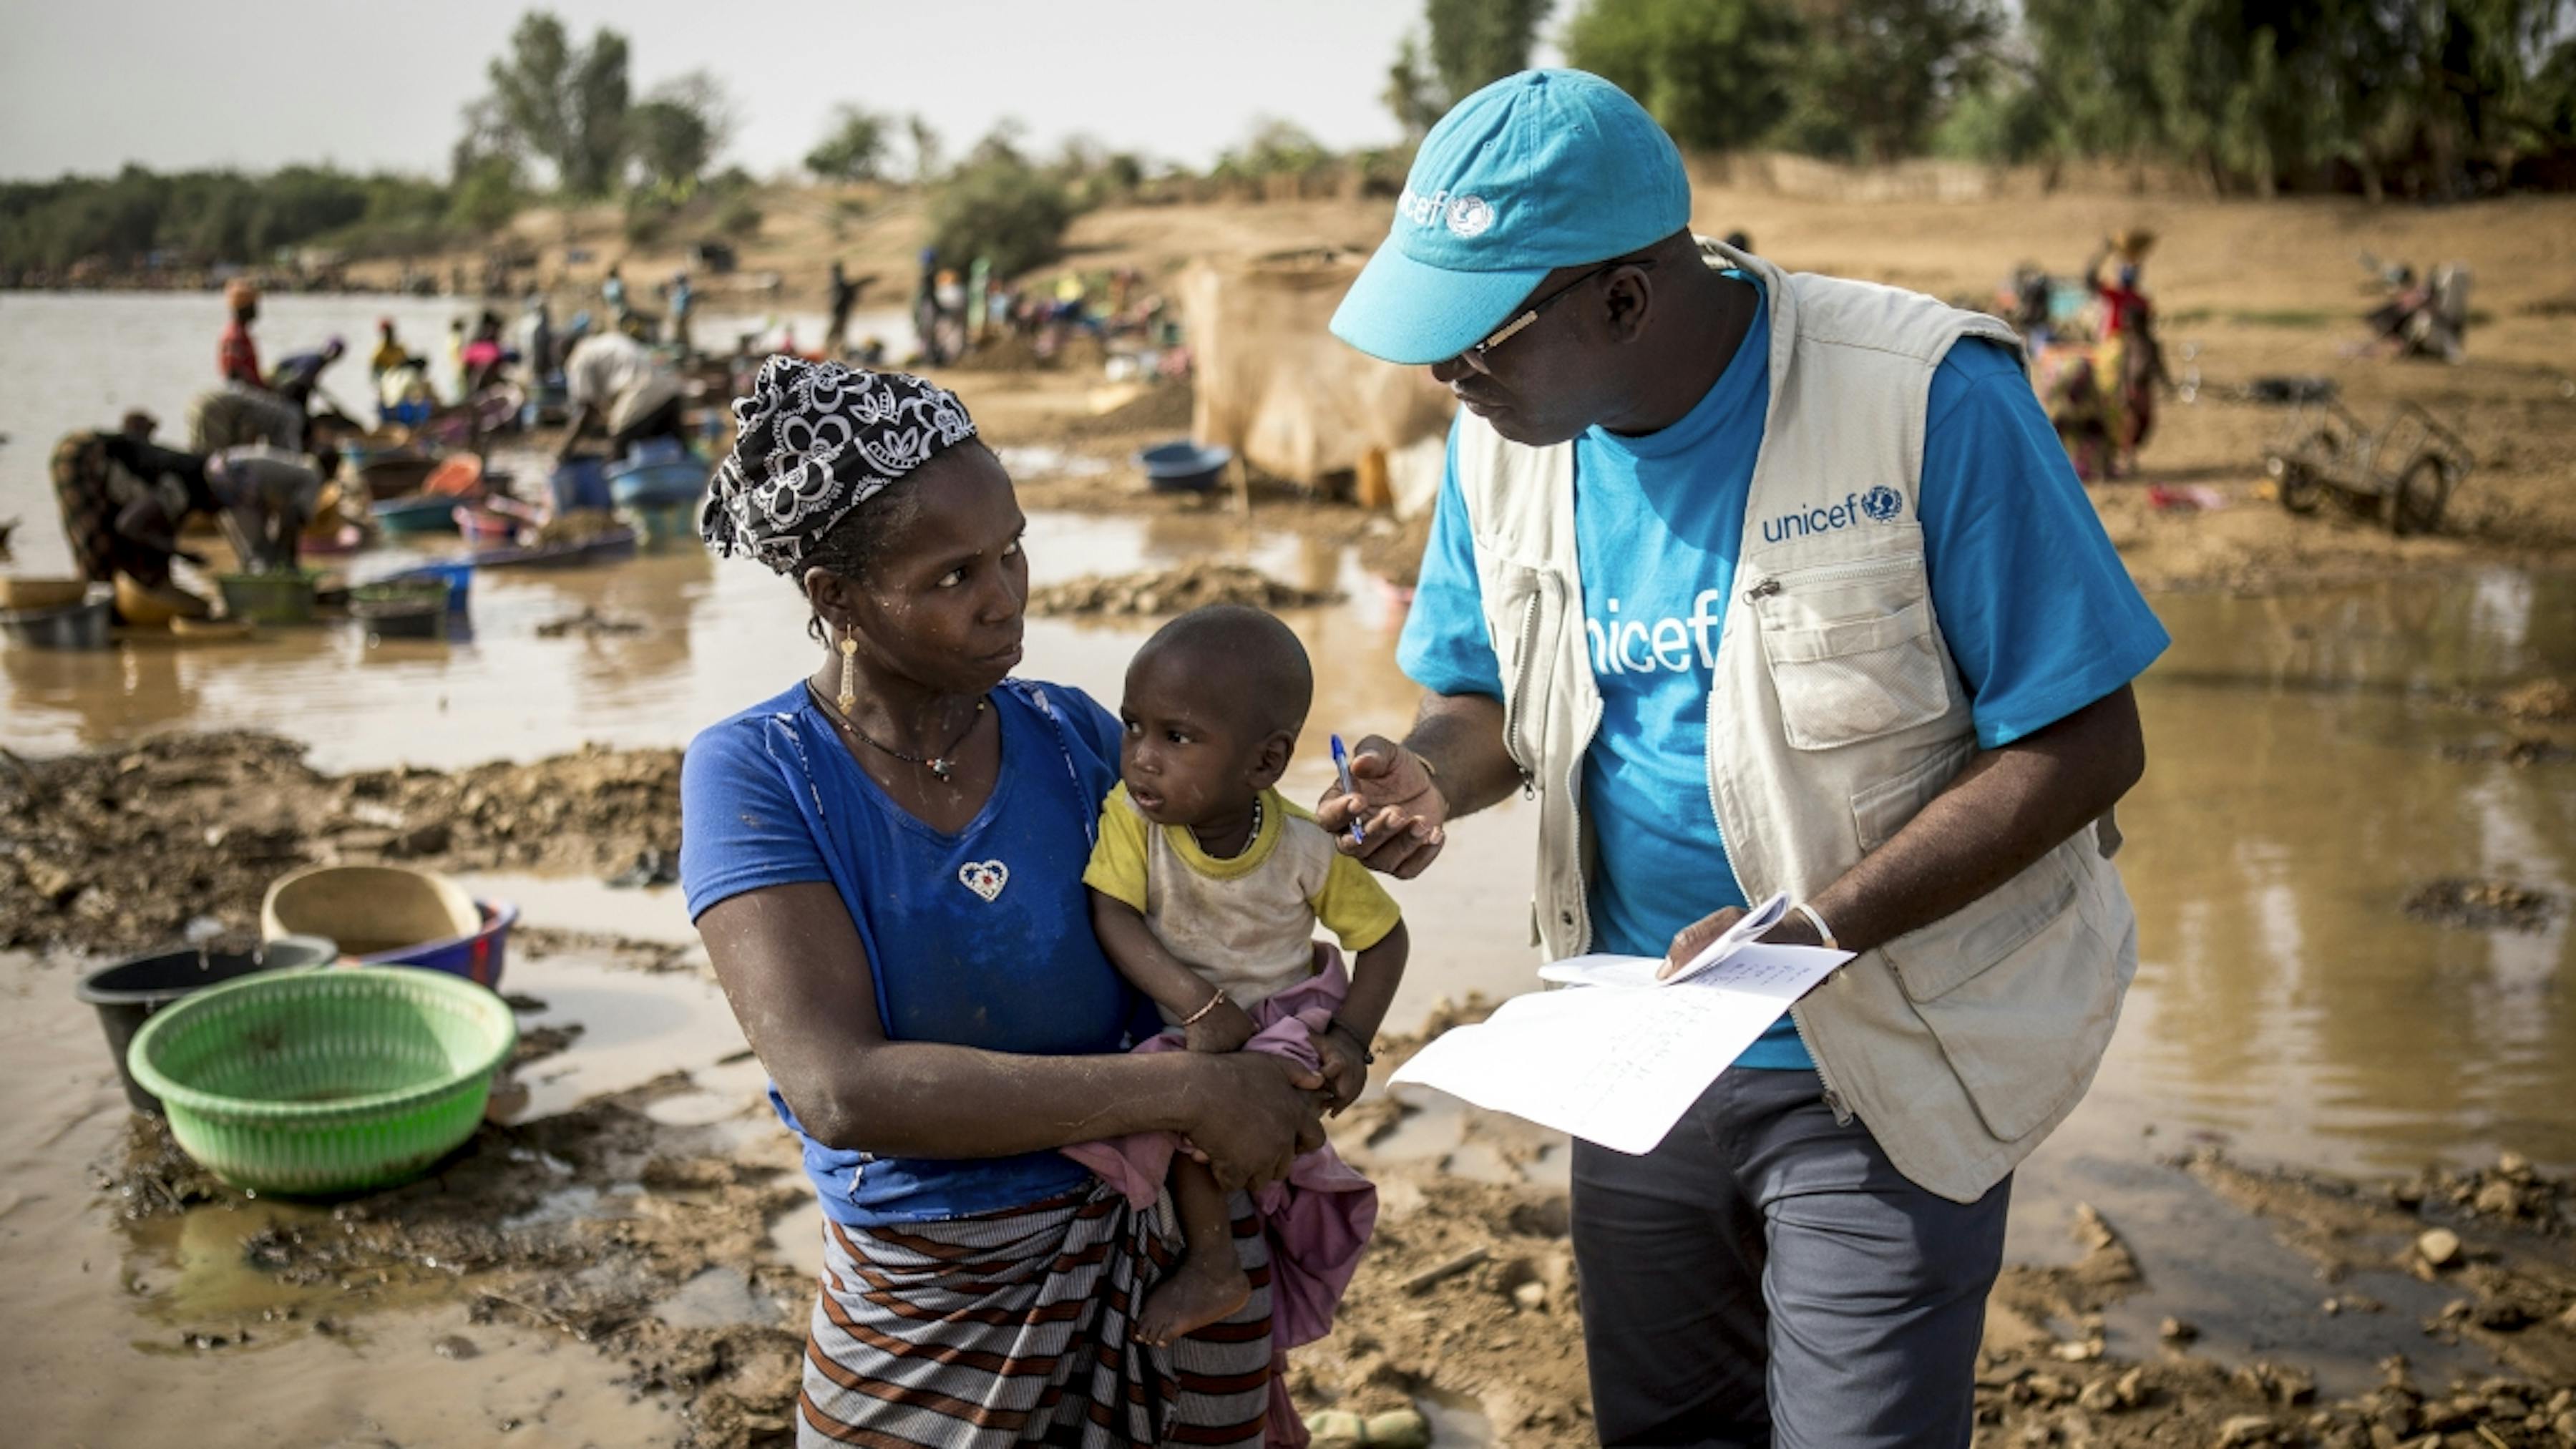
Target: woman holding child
[887, 862]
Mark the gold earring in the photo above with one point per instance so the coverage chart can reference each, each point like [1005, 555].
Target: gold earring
[849, 698]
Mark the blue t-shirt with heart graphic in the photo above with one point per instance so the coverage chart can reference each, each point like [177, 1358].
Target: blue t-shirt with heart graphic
[982, 938]
[2036, 607]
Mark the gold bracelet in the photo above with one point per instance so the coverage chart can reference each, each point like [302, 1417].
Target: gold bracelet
[1213, 1002]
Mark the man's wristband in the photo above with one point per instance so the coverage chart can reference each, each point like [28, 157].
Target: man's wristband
[1824, 933]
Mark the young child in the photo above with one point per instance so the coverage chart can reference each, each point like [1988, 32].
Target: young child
[1206, 889]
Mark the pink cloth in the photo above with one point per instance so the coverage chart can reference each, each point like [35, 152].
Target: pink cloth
[1318, 1221]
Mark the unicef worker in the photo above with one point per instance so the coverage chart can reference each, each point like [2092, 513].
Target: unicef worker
[1763, 583]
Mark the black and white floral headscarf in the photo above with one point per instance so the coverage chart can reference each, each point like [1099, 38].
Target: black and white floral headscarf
[814, 440]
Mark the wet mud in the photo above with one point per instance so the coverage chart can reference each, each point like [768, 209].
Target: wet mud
[181, 834]
[2483, 905]
[654, 1221]
[647, 1242]
[1173, 591]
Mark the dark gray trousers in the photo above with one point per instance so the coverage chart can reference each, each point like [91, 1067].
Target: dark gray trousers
[1766, 1276]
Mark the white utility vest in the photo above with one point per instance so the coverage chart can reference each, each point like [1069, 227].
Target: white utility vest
[1834, 716]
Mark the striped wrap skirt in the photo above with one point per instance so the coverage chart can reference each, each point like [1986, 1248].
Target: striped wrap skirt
[1012, 1328]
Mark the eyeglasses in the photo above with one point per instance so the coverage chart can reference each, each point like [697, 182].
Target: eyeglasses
[1478, 353]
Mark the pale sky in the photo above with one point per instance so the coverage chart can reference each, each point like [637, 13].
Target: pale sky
[89, 85]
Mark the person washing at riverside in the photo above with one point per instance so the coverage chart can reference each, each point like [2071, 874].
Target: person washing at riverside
[1761, 583]
[1206, 887]
[617, 386]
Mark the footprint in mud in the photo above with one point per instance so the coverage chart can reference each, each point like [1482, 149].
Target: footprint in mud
[2484, 905]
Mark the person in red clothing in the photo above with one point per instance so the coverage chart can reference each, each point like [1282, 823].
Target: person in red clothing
[2129, 364]
[236, 356]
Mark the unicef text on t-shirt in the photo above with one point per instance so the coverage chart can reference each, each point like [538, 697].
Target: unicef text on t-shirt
[1639, 646]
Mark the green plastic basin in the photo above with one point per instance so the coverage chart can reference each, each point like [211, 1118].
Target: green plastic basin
[325, 1082]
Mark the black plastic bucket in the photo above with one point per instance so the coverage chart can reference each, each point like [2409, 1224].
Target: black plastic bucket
[138, 986]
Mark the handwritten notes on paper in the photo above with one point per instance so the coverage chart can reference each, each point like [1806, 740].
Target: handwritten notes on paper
[1617, 1059]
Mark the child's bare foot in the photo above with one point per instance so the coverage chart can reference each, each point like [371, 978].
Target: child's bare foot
[1204, 1289]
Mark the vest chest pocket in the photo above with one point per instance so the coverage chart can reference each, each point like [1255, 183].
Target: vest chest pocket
[1851, 650]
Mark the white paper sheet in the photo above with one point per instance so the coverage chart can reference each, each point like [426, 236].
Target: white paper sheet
[1619, 1066]
[1605, 970]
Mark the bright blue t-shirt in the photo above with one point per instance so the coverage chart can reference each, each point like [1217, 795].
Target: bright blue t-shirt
[2034, 603]
[772, 797]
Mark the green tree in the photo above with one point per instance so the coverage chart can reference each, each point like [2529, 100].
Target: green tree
[1873, 76]
[2425, 96]
[1464, 46]
[925, 148]
[567, 105]
[854, 149]
[677, 131]
[486, 171]
[200, 217]
[488, 195]
[1477, 42]
[1713, 72]
[997, 205]
[1411, 93]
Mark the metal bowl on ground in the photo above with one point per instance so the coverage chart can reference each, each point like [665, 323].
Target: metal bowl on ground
[17, 594]
[127, 993]
[272, 598]
[86, 626]
[318, 1082]
[1184, 466]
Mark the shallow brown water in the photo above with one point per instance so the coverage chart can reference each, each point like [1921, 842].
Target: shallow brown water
[95, 1318]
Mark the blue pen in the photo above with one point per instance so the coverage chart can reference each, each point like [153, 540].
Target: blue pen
[1342, 762]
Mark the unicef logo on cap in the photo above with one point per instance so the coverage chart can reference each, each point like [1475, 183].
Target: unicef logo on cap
[1881, 503]
[1470, 216]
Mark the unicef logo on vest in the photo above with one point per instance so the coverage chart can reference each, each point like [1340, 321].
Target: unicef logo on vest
[1879, 505]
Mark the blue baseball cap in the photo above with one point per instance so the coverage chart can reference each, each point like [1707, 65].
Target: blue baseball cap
[1545, 169]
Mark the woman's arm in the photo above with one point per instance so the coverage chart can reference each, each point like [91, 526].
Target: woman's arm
[800, 984]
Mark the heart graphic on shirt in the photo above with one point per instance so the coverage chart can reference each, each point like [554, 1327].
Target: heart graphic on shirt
[984, 877]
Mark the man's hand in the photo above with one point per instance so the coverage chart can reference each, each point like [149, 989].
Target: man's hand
[1793, 930]
[1225, 1028]
[1397, 804]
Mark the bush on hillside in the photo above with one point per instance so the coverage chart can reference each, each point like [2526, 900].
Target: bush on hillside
[1001, 208]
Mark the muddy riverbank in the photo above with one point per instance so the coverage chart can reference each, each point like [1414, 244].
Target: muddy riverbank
[643, 1245]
